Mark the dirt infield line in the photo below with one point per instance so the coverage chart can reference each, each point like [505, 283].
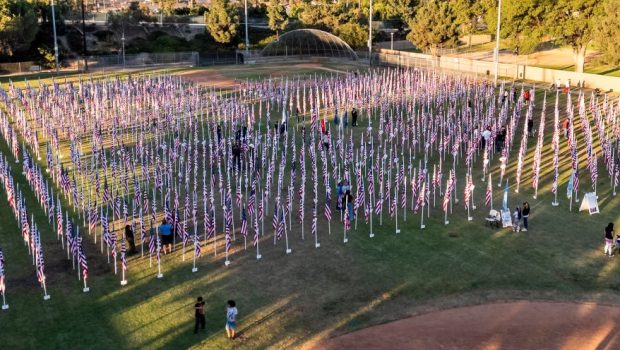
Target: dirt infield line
[517, 325]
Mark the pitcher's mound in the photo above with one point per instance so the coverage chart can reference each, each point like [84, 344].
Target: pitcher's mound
[519, 325]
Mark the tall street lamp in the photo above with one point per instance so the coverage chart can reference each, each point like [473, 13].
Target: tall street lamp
[55, 38]
[499, 18]
[247, 41]
[370, 35]
[84, 39]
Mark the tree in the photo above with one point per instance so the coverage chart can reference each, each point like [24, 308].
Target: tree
[395, 9]
[434, 26]
[18, 25]
[353, 33]
[468, 13]
[523, 22]
[166, 6]
[222, 21]
[276, 13]
[572, 23]
[607, 32]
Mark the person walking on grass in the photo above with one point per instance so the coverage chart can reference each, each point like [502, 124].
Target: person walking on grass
[231, 319]
[525, 214]
[199, 309]
[609, 240]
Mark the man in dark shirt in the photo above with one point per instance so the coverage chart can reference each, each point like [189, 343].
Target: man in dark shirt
[200, 314]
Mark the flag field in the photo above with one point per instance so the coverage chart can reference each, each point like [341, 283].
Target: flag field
[315, 279]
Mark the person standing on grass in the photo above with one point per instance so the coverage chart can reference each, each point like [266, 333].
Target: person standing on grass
[199, 309]
[231, 319]
[525, 214]
[517, 219]
[565, 125]
[609, 239]
[354, 116]
[130, 240]
[530, 127]
[165, 230]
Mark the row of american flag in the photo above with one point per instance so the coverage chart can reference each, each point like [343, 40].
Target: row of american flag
[154, 147]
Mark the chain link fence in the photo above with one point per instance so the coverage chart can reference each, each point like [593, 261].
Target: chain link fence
[140, 60]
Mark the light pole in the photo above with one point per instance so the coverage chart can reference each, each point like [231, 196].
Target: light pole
[123, 41]
[55, 38]
[247, 41]
[391, 40]
[370, 35]
[84, 39]
[499, 17]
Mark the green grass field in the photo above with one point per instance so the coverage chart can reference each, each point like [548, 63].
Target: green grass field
[286, 301]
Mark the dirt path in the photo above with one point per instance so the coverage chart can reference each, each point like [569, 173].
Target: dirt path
[519, 325]
[208, 78]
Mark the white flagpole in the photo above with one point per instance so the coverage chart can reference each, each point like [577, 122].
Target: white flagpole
[5, 306]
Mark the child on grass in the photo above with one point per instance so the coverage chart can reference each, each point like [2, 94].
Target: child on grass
[231, 319]
[516, 219]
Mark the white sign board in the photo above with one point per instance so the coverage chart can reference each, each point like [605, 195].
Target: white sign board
[590, 203]
[506, 218]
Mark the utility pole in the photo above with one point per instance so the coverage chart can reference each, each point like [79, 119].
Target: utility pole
[370, 35]
[499, 18]
[85, 52]
[247, 40]
[55, 38]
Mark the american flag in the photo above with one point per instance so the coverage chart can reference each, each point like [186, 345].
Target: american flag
[260, 208]
[113, 241]
[197, 250]
[576, 181]
[117, 207]
[123, 255]
[93, 217]
[82, 258]
[274, 222]
[39, 261]
[69, 235]
[449, 189]
[252, 199]
[256, 233]
[228, 241]
[25, 226]
[594, 170]
[152, 245]
[347, 220]
[281, 224]
[228, 209]
[328, 210]
[421, 197]
[313, 227]
[489, 194]
[238, 193]
[244, 223]
[467, 193]
[158, 249]
[2, 285]
[207, 220]
[142, 228]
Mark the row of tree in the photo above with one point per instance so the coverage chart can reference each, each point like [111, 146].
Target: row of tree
[437, 24]
[431, 24]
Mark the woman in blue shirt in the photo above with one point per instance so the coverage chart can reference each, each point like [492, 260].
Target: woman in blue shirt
[165, 230]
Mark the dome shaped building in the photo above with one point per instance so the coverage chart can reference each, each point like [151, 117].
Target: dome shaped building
[309, 43]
